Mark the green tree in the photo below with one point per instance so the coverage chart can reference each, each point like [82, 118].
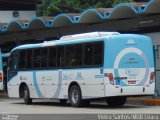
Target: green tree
[42, 7]
[54, 7]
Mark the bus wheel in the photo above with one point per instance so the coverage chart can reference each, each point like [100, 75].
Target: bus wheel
[63, 101]
[116, 101]
[75, 96]
[27, 99]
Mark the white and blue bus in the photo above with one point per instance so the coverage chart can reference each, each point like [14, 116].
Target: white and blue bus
[83, 67]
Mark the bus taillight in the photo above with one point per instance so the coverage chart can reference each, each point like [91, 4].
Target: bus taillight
[151, 77]
[111, 78]
[1, 77]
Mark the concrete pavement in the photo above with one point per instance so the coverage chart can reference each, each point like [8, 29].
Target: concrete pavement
[48, 106]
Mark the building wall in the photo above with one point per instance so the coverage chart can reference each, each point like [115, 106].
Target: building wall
[7, 16]
[155, 37]
[156, 42]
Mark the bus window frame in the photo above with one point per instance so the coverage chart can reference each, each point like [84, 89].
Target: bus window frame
[64, 54]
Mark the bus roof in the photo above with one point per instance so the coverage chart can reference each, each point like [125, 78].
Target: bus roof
[71, 39]
[88, 35]
[77, 38]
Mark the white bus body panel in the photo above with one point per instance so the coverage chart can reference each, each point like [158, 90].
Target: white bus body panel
[128, 90]
[55, 83]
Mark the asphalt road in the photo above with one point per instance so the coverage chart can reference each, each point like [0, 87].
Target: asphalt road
[50, 107]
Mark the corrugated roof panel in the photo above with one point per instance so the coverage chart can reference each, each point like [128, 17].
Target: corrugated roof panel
[123, 10]
[37, 23]
[152, 7]
[14, 25]
[62, 20]
[90, 16]
[120, 11]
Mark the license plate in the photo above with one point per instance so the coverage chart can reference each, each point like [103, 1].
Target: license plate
[132, 82]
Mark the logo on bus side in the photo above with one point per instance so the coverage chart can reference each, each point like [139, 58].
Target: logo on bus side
[47, 78]
[131, 42]
[79, 76]
[68, 76]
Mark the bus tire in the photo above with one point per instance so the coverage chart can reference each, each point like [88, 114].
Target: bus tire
[75, 96]
[27, 99]
[116, 101]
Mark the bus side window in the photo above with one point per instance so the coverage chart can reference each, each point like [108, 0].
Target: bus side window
[70, 56]
[22, 59]
[78, 54]
[98, 53]
[44, 57]
[52, 57]
[88, 54]
[60, 58]
[29, 59]
[36, 58]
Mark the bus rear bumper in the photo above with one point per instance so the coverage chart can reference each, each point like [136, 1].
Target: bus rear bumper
[111, 90]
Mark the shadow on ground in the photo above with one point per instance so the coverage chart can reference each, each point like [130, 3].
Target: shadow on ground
[93, 105]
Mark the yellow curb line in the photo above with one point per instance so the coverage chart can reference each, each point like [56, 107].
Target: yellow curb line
[3, 94]
[150, 101]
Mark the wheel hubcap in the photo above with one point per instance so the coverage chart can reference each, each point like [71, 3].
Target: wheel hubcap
[75, 96]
